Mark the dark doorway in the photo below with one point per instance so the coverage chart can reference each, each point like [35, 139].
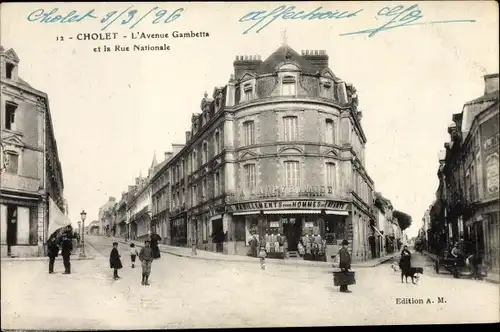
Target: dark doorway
[373, 246]
[11, 227]
[218, 235]
[292, 229]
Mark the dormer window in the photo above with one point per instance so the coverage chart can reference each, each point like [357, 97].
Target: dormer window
[327, 90]
[9, 70]
[247, 92]
[289, 86]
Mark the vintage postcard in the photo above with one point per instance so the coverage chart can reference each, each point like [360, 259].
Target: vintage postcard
[179, 165]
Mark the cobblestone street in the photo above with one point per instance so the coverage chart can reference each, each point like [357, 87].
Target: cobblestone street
[187, 293]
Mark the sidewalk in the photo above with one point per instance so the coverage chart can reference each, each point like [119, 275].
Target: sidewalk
[208, 255]
[75, 256]
[492, 277]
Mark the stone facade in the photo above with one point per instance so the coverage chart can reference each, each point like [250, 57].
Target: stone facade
[279, 149]
[30, 168]
[467, 201]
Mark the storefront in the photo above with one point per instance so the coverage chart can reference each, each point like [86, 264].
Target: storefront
[178, 230]
[285, 225]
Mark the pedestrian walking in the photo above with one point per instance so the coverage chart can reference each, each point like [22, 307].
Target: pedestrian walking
[262, 256]
[155, 238]
[52, 252]
[405, 260]
[66, 248]
[345, 263]
[114, 260]
[146, 258]
[133, 254]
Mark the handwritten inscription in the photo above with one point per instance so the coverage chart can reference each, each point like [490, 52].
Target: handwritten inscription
[129, 17]
[394, 17]
[264, 18]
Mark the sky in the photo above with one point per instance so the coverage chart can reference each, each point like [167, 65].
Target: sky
[112, 111]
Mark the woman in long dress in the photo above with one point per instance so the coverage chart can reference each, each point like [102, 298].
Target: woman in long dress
[405, 261]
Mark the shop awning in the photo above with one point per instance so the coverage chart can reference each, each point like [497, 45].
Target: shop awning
[219, 216]
[339, 213]
[293, 212]
[244, 213]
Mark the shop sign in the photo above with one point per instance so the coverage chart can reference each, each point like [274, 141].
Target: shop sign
[284, 191]
[492, 173]
[274, 224]
[309, 224]
[292, 204]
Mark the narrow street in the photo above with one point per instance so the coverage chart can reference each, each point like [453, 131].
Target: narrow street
[188, 293]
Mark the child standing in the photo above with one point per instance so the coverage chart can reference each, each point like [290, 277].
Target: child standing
[114, 260]
[133, 254]
[146, 258]
[262, 255]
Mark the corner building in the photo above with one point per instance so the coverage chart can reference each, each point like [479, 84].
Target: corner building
[278, 150]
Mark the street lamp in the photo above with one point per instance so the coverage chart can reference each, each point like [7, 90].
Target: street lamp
[79, 232]
[83, 215]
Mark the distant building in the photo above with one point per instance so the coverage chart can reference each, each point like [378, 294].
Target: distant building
[139, 206]
[106, 216]
[31, 173]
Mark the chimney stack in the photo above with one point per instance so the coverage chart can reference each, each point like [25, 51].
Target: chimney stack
[137, 181]
[168, 155]
[318, 58]
[176, 148]
[246, 63]
[188, 136]
[490, 83]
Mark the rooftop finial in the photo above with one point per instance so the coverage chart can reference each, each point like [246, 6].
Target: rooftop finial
[284, 37]
[205, 94]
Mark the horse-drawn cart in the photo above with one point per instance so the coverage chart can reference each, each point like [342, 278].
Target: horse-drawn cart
[457, 266]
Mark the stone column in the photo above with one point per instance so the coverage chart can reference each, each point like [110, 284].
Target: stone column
[228, 226]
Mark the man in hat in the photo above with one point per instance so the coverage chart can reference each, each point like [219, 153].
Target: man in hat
[345, 263]
[66, 248]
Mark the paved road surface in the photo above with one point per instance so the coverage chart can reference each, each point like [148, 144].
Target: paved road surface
[187, 293]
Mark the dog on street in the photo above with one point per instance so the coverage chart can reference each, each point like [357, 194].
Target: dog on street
[412, 272]
[394, 267]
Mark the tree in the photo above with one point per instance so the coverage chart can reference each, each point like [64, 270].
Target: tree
[404, 220]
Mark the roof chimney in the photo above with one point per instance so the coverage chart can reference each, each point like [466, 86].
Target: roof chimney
[490, 83]
[168, 155]
[246, 63]
[318, 58]
[176, 148]
[112, 199]
[137, 181]
[188, 136]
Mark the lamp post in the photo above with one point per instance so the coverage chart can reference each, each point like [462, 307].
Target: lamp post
[83, 215]
[80, 233]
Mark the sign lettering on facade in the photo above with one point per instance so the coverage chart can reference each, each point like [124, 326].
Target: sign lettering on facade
[295, 204]
[492, 173]
[284, 191]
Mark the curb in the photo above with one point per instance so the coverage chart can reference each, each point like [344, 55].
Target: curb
[488, 279]
[25, 259]
[268, 261]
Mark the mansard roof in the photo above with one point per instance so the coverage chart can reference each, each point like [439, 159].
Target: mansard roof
[285, 54]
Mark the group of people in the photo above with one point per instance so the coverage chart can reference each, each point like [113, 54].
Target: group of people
[146, 255]
[61, 241]
[472, 260]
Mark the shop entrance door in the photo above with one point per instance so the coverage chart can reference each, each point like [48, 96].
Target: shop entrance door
[292, 229]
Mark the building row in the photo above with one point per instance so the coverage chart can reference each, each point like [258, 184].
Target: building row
[466, 208]
[31, 187]
[279, 151]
